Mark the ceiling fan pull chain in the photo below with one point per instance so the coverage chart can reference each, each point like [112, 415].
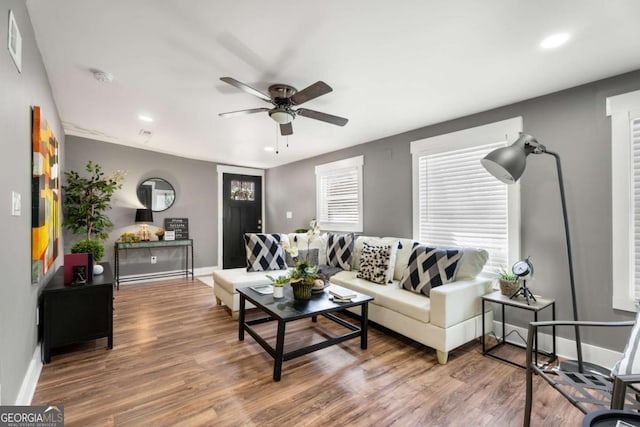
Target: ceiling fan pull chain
[277, 149]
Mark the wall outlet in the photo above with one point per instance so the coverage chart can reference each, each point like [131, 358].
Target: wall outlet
[289, 215]
[154, 259]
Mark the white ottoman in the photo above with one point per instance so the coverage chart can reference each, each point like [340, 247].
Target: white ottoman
[225, 283]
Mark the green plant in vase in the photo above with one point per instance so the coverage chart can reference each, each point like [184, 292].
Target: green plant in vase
[508, 282]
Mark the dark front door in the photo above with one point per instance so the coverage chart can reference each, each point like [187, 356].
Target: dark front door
[242, 213]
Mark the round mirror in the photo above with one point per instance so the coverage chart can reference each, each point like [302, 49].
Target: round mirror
[157, 194]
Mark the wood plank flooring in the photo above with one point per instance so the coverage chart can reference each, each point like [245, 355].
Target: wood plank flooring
[177, 361]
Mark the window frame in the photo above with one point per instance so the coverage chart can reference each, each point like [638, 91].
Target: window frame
[622, 109]
[353, 163]
[506, 130]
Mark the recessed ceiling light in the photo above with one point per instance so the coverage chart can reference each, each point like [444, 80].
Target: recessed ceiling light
[269, 149]
[145, 118]
[555, 40]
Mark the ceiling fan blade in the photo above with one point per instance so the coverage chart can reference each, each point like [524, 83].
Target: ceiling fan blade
[317, 115]
[317, 89]
[246, 88]
[286, 129]
[243, 112]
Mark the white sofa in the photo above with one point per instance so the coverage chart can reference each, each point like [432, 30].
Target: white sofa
[449, 318]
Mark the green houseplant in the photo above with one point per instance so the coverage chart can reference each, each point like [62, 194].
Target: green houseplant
[508, 282]
[92, 247]
[86, 200]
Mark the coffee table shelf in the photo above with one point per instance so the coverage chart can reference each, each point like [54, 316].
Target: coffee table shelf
[287, 309]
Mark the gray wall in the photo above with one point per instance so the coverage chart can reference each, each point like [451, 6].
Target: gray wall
[194, 181]
[18, 297]
[572, 123]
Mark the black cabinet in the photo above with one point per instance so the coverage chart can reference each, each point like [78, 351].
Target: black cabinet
[70, 315]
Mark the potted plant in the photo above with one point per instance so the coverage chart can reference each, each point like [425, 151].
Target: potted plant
[508, 282]
[92, 247]
[160, 233]
[86, 199]
[278, 284]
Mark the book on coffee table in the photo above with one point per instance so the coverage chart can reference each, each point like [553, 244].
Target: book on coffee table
[341, 294]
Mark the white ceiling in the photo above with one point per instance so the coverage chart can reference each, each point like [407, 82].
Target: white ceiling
[394, 65]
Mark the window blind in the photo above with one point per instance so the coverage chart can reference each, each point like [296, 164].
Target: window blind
[635, 194]
[461, 204]
[339, 197]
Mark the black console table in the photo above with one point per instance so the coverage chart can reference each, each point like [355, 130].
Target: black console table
[187, 244]
[73, 314]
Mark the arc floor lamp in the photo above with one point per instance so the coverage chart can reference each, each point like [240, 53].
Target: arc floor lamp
[507, 164]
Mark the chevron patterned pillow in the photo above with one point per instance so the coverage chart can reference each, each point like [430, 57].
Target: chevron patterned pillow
[630, 361]
[340, 250]
[428, 268]
[264, 252]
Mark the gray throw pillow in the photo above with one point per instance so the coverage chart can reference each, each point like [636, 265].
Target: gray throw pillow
[302, 255]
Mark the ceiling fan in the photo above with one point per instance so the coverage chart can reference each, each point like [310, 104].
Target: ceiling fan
[284, 98]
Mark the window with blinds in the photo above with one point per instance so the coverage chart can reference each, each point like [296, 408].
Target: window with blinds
[461, 204]
[635, 194]
[339, 195]
[456, 202]
[624, 111]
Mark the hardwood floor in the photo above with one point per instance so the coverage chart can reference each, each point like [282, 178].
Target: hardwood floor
[177, 361]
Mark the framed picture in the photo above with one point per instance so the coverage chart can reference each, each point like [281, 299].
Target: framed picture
[14, 42]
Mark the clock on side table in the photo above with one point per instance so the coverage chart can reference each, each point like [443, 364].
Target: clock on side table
[73, 314]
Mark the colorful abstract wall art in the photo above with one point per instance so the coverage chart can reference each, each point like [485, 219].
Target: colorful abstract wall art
[45, 198]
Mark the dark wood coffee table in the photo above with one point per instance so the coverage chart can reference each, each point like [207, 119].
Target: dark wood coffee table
[287, 309]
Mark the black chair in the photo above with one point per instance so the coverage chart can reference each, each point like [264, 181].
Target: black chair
[588, 391]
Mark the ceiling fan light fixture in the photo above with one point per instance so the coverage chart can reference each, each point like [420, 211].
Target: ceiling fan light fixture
[281, 116]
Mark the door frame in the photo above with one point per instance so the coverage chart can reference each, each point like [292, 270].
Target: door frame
[222, 169]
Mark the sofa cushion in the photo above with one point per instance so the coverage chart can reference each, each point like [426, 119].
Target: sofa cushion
[310, 255]
[340, 250]
[471, 264]
[372, 240]
[429, 267]
[234, 278]
[264, 252]
[302, 241]
[405, 246]
[416, 306]
[375, 263]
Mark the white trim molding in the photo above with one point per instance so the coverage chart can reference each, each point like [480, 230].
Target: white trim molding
[343, 168]
[30, 381]
[222, 169]
[620, 108]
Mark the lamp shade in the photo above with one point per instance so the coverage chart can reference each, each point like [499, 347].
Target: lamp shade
[508, 163]
[144, 215]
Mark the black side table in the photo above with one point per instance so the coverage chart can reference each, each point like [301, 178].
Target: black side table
[533, 306]
[73, 314]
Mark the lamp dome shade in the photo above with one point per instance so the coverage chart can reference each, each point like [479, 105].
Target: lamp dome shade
[507, 163]
[144, 215]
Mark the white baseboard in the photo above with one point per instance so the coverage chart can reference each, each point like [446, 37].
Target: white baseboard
[30, 381]
[132, 278]
[205, 271]
[565, 348]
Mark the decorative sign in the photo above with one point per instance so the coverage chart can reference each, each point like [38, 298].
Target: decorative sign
[179, 225]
